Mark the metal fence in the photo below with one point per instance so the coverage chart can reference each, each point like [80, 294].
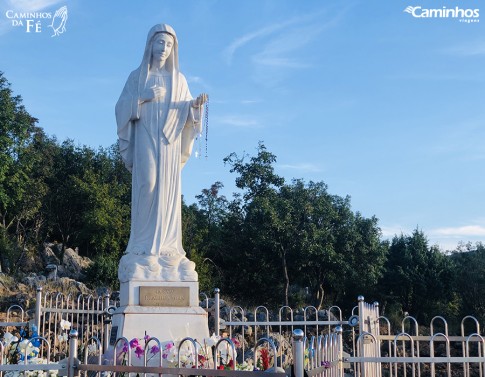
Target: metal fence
[301, 340]
[373, 353]
[86, 313]
[55, 314]
[409, 352]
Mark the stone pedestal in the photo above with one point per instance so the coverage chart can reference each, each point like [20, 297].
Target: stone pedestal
[168, 311]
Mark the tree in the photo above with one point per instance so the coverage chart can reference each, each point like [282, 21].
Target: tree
[256, 177]
[19, 193]
[106, 193]
[417, 276]
[469, 279]
[298, 235]
[254, 256]
[199, 240]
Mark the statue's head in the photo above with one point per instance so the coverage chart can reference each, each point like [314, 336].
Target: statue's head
[162, 45]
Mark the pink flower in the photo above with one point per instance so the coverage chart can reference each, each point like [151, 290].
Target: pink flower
[146, 337]
[326, 364]
[154, 350]
[134, 343]
[168, 346]
[139, 351]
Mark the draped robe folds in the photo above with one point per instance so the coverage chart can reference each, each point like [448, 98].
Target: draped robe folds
[156, 139]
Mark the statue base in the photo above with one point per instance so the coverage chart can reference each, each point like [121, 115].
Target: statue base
[168, 311]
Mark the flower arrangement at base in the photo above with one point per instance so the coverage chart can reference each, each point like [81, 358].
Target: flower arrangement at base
[191, 354]
[18, 347]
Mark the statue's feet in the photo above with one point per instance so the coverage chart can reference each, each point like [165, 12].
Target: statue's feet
[187, 270]
[167, 267]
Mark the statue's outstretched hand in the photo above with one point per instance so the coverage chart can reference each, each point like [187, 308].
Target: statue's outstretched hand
[200, 100]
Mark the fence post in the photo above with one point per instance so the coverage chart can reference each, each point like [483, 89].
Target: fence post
[38, 308]
[362, 318]
[72, 361]
[340, 372]
[217, 311]
[361, 351]
[298, 353]
[106, 324]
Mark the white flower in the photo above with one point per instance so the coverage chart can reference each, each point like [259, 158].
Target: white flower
[65, 325]
[212, 341]
[7, 338]
[62, 337]
[14, 339]
[24, 344]
[92, 349]
[244, 366]
[13, 373]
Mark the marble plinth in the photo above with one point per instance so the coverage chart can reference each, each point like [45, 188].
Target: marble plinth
[182, 317]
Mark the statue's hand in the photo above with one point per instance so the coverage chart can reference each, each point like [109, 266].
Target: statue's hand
[200, 100]
[153, 93]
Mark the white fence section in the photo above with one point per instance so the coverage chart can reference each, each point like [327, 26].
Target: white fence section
[411, 353]
[311, 346]
[86, 313]
[55, 314]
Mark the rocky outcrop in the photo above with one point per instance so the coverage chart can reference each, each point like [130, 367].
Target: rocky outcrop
[59, 263]
[49, 256]
[73, 265]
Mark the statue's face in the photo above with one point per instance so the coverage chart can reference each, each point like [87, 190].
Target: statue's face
[162, 47]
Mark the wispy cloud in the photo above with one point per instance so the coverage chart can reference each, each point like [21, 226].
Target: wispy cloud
[433, 76]
[197, 80]
[32, 5]
[235, 101]
[471, 48]
[282, 50]
[304, 166]
[301, 28]
[275, 51]
[250, 101]
[446, 238]
[267, 30]
[238, 121]
[460, 231]
[393, 230]
[454, 139]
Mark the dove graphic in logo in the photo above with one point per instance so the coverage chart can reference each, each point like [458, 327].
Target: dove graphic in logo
[410, 9]
[58, 24]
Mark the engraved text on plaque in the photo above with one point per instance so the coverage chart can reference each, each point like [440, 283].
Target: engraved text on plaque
[165, 296]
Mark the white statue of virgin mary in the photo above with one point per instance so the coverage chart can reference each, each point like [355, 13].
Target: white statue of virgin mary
[158, 122]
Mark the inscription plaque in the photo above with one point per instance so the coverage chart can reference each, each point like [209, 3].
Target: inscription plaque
[165, 296]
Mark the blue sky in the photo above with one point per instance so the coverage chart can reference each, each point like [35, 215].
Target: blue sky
[380, 105]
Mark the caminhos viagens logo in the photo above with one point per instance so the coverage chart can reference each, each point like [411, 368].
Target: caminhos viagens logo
[467, 15]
